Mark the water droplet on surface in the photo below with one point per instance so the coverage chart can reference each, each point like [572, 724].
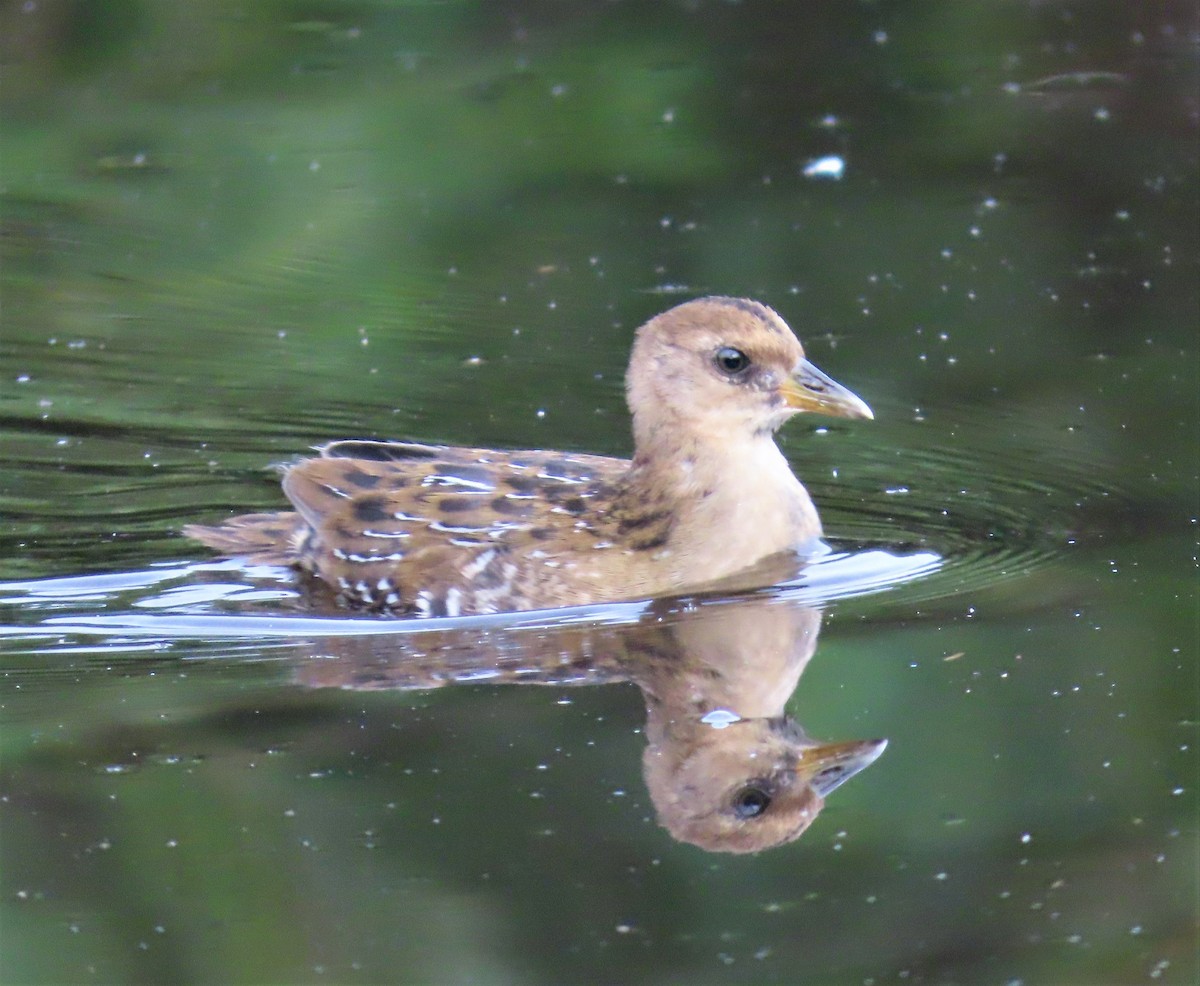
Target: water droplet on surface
[831, 166]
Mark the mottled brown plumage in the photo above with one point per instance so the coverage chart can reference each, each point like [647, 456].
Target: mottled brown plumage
[437, 531]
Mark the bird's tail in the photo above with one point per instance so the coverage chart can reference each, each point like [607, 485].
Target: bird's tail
[265, 539]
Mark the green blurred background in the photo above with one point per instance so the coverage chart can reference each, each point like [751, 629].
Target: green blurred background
[231, 230]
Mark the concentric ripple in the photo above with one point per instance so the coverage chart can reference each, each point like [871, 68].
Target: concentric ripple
[991, 515]
[908, 520]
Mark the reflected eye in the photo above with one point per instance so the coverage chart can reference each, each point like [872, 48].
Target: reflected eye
[750, 802]
[732, 362]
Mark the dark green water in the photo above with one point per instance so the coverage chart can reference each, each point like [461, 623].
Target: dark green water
[232, 231]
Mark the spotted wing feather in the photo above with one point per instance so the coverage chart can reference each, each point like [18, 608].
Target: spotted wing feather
[443, 531]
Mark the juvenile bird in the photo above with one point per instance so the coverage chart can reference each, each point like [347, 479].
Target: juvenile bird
[423, 530]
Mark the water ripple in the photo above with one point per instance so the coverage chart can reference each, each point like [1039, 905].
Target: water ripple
[993, 514]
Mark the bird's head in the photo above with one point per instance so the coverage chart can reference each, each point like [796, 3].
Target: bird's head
[752, 785]
[726, 368]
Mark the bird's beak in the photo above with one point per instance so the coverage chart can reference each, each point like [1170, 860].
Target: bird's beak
[829, 765]
[808, 389]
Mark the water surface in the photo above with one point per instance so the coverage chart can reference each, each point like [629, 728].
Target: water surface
[232, 233]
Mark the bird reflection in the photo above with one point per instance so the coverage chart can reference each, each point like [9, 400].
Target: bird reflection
[727, 769]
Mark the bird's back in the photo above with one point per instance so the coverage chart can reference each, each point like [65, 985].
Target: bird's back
[439, 531]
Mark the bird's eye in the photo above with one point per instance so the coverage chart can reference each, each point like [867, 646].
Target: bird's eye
[732, 362]
[750, 802]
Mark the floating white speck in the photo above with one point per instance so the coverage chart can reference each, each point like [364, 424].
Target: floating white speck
[831, 166]
[720, 718]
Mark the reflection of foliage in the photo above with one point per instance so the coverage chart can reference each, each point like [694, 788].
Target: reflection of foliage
[218, 203]
[333, 161]
[264, 143]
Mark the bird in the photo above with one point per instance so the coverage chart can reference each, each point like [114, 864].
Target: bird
[405, 529]
[727, 769]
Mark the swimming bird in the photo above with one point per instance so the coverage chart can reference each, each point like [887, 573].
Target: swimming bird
[426, 530]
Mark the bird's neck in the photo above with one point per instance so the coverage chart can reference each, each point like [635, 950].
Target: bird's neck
[726, 502]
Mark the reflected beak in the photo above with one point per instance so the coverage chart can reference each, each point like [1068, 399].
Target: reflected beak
[808, 389]
[829, 765]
